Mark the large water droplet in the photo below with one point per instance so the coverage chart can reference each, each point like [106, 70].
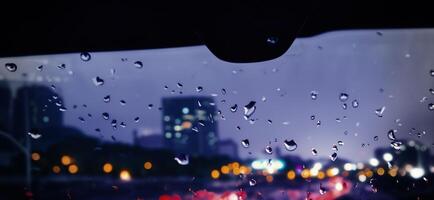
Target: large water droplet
[290, 145]
[318, 123]
[314, 95]
[335, 147]
[379, 112]
[138, 64]
[34, 133]
[12, 67]
[431, 90]
[431, 106]
[136, 119]
[122, 102]
[322, 190]
[312, 117]
[182, 159]
[396, 145]
[268, 149]
[249, 109]
[105, 116]
[179, 85]
[199, 89]
[252, 182]
[355, 103]
[376, 138]
[245, 143]
[234, 108]
[333, 156]
[223, 91]
[431, 72]
[61, 66]
[98, 81]
[391, 134]
[314, 152]
[343, 97]
[40, 67]
[106, 99]
[85, 56]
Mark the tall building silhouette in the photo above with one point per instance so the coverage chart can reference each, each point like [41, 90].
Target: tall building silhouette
[189, 126]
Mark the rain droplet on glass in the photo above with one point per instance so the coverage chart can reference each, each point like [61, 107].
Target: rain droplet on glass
[333, 156]
[182, 159]
[290, 145]
[11, 67]
[85, 56]
[396, 145]
[106, 98]
[314, 152]
[199, 89]
[105, 116]
[249, 109]
[314, 95]
[97, 81]
[268, 149]
[138, 64]
[35, 134]
[343, 97]
[379, 111]
[245, 143]
[391, 134]
[234, 108]
[355, 103]
[252, 182]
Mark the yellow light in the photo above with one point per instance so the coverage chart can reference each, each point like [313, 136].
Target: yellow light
[147, 165]
[244, 170]
[73, 169]
[321, 175]
[65, 160]
[107, 168]
[236, 171]
[339, 186]
[36, 156]
[332, 172]
[215, 174]
[224, 169]
[235, 165]
[186, 125]
[56, 169]
[290, 175]
[269, 178]
[305, 173]
[125, 175]
[369, 173]
[380, 171]
[392, 172]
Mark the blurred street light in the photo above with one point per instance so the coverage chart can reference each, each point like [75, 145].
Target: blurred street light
[107, 168]
[125, 175]
[387, 157]
[417, 172]
[374, 162]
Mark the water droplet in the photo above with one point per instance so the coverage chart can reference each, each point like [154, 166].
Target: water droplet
[270, 121]
[114, 124]
[136, 119]
[34, 133]
[182, 159]
[344, 106]
[318, 123]
[61, 66]
[81, 119]
[314, 152]
[272, 40]
[252, 182]
[333, 156]
[431, 72]
[268, 149]
[290, 145]
[123, 125]
[322, 190]
[179, 85]
[199, 89]
[62, 109]
[312, 117]
[234, 108]
[314, 95]
[85, 56]
[338, 120]
[376, 138]
[150, 106]
[195, 129]
[431, 90]
[396, 145]
[391, 134]
[223, 91]
[355, 103]
[379, 112]
[340, 143]
[334, 147]
[40, 67]
[12, 67]
[343, 97]
[263, 99]
[122, 102]
[138, 64]
[423, 99]
[245, 143]
[249, 109]
[106, 99]
[238, 128]
[431, 106]
[105, 116]
[98, 81]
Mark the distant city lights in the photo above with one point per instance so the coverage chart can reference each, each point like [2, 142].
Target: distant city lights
[417, 172]
[270, 166]
[387, 157]
[362, 178]
[125, 175]
[73, 169]
[107, 168]
[66, 160]
[374, 162]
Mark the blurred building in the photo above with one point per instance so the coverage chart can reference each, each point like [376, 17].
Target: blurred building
[5, 106]
[189, 126]
[36, 107]
[148, 138]
[228, 148]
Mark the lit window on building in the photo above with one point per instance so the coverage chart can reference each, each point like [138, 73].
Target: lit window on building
[186, 125]
[166, 118]
[177, 128]
[45, 119]
[177, 121]
[178, 135]
[168, 135]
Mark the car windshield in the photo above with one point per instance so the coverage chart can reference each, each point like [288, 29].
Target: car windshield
[341, 115]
